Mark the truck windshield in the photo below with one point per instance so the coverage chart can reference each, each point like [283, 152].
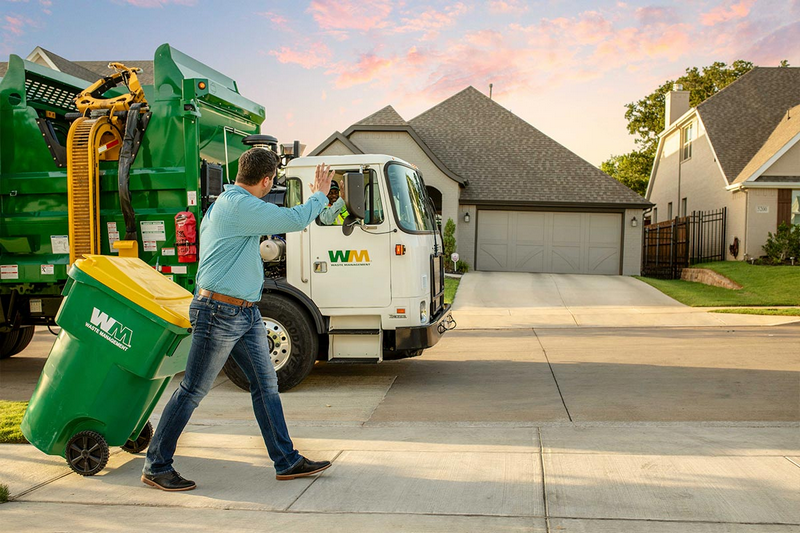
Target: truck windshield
[410, 199]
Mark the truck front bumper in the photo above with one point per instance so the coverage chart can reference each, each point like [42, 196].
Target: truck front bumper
[422, 337]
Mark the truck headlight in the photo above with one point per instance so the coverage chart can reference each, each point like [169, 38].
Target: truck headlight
[423, 312]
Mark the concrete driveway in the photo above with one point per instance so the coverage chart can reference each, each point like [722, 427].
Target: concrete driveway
[499, 300]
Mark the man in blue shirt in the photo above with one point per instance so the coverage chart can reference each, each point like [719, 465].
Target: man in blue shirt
[226, 321]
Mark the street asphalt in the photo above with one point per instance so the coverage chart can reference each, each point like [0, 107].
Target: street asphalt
[667, 427]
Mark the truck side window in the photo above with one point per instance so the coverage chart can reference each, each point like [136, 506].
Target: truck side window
[294, 192]
[372, 194]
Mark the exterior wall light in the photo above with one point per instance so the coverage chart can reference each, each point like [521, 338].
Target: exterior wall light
[466, 217]
[634, 222]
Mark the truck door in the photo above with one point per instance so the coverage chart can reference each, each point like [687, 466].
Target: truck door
[354, 270]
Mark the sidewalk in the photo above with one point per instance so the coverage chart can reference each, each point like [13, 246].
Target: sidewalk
[600, 477]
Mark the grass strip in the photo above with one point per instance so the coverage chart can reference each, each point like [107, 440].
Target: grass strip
[10, 419]
[450, 288]
[759, 311]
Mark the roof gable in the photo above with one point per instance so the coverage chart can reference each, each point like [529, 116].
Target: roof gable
[740, 118]
[506, 160]
[785, 135]
[383, 117]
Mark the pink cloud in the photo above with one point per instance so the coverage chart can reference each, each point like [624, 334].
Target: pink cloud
[15, 24]
[160, 3]
[365, 70]
[276, 19]
[345, 15]
[783, 43]
[484, 38]
[724, 13]
[588, 28]
[432, 20]
[313, 55]
[507, 6]
[630, 45]
[653, 15]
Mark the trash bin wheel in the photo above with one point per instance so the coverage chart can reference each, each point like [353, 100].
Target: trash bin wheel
[87, 453]
[141, 442]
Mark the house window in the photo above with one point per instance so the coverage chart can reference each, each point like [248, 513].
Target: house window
[669, 211]
[687, 135]
[684, 210]
[795, 207]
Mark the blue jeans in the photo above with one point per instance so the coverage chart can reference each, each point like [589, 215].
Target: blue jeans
[219, 330]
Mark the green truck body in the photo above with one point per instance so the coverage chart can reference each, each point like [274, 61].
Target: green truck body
[194, 135]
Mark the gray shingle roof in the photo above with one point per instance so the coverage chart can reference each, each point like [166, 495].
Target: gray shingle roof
[740, 118]
[92, 71]
[786, 130]
[383, 117]
[506, 160]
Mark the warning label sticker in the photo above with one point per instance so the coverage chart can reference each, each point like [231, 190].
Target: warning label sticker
[9, 271]
[60, 244]
[48, 270]
[153, 230]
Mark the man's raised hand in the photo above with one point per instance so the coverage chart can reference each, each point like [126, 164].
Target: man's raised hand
[322, 179]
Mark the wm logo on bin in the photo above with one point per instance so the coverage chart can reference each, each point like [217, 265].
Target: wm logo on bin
[110, 329]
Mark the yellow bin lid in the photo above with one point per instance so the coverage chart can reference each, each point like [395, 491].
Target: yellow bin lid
[140, 283]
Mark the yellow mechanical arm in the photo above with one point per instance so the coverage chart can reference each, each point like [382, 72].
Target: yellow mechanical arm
[92, 98]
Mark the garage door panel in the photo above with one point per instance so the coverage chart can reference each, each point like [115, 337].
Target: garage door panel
[566, 260]
[493, 257]
[544, 241]
[529, 258]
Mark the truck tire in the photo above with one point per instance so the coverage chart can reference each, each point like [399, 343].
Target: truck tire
[8, 341]
[24, 339]
[293, 342]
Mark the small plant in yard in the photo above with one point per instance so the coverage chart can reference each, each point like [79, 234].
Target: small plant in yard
[783, 244]
[3, 493]
[449, 240]
[462, 267]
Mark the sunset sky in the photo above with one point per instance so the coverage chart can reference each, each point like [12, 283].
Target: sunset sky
[567, 67]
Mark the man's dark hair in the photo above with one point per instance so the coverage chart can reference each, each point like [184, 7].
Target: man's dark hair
[255, 165]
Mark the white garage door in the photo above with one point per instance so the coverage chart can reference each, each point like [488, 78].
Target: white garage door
[543, 241]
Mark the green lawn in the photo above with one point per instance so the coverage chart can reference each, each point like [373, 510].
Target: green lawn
[10, 419]
[762, 286]
[450, 288]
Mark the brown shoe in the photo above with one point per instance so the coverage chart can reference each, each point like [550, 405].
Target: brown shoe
[304, 468]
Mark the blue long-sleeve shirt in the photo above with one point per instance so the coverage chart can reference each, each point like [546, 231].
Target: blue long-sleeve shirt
[230, 261]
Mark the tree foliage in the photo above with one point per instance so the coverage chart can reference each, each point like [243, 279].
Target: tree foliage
[632, 170]
[449, 241]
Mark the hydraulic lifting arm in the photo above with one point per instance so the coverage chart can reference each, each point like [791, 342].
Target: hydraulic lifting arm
[107, 130]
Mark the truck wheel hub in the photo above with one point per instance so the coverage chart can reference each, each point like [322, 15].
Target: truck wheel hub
[280, 345]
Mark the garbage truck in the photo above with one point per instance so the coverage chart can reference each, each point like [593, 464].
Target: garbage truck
[119, 167]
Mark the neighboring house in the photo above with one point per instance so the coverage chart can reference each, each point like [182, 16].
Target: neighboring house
[521, 201]
[90, 71]
[738, 149]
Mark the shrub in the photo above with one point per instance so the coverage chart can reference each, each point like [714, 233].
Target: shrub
[3, 493]
[783, 244]
[462, 267]
[449, 241]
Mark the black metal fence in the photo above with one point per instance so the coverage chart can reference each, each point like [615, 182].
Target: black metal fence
[675, 244]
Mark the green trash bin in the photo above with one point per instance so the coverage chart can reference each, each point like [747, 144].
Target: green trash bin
[125, 333]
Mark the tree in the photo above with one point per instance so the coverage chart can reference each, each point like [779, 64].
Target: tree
[449, 241]
[632, 170]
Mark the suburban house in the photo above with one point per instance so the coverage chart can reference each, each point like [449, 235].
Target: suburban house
[521, 201]
[738, 150]
[90, 71]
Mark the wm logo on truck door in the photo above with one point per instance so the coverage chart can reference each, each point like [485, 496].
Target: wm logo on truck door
[110, 329]
[353, 257]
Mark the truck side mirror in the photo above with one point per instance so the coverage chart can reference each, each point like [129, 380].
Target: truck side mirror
[354, 194]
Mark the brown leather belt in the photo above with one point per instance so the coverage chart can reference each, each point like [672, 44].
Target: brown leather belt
[225, 299]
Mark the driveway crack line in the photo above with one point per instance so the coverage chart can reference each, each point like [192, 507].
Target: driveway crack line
[385, 394]
[544, 481]
[791, 461]
[563, 302]
[555, 380]
[312, 482]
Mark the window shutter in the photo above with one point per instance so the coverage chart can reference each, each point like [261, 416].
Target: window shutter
[784, 206]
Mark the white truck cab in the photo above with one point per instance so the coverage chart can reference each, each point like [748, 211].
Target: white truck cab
[369, 289]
